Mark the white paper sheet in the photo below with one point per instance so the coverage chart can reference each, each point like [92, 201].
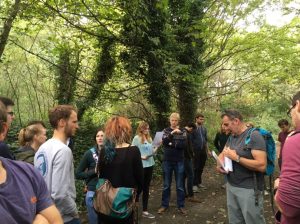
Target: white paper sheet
[226, 165]
[157, 139]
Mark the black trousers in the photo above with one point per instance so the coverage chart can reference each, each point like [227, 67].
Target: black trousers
[148, 171]
[199, 163]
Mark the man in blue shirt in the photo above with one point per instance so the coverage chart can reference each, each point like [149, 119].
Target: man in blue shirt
[24, 197]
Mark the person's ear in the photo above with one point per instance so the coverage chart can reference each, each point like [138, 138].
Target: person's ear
[4, 129]
[297, 106]
[61, 123]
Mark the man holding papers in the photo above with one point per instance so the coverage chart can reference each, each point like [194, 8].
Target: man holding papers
[249, 163]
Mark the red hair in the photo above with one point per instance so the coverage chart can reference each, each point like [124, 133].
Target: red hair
[118, 130]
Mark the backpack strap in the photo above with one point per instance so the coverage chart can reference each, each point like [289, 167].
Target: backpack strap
[256, 191]
[248, 137]
[95, 155]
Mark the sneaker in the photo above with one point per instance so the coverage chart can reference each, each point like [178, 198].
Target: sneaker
[182, 211]
[148, 215]
[193, 199]
[201, 186]
[195, 189]
[162, 210]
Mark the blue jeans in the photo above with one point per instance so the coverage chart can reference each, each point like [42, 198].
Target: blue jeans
[74, 221]
[168, 168]
[189, 175]
[92, 215]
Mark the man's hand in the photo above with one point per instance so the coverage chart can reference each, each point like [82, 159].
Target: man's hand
[276, 183]
[209, 152]
[230, 153]
[221, 170]
[177, 130]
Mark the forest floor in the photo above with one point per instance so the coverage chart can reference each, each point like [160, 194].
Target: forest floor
[211, 210]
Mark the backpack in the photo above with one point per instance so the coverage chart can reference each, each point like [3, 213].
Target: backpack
[271, 157]
[270, 148]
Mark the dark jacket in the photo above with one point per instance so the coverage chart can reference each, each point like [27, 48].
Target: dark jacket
[26, 154]
[220, 141]
[189, 150]
[174, 145]
[199, 138]
[86, 170]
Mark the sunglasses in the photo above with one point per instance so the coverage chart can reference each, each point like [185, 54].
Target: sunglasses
[289, 111]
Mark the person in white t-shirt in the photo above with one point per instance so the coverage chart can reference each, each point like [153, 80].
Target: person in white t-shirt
[54, 160]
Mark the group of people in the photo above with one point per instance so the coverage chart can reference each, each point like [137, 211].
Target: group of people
[42, 189]
[131, 163]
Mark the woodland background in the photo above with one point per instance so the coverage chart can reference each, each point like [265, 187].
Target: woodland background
[148, 58]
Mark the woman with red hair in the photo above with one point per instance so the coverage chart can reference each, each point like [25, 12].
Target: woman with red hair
[120, 162]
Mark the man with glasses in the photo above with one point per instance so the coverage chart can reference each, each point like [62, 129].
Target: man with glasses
[287, 196]
[249, 163]
[4, 149]
[9, 104]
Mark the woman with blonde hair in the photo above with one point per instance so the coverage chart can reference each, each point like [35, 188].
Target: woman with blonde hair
[143, 141]
[120, 162]
[30, 139]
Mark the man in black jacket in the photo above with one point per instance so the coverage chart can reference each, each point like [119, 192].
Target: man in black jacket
[201, 150]
[174, 142]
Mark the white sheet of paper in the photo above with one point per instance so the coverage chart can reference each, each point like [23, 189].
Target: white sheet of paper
[217, 159]
[228, 164]
[157, 139]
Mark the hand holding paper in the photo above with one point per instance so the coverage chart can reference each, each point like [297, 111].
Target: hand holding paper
[226, 165]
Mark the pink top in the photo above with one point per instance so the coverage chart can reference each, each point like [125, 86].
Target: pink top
[289, 186]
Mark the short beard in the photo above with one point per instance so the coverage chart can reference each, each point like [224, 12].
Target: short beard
[68, 132]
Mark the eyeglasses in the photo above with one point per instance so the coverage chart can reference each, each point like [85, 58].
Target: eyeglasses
[11, 113]
[289, 111]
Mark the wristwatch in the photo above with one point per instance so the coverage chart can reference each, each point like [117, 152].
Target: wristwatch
[238, 159]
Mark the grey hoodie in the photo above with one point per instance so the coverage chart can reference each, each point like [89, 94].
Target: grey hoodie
[54, 160]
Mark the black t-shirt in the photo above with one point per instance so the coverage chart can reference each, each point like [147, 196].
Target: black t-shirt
[242, 176]
[125, 170]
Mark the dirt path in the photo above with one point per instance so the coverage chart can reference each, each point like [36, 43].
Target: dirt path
[212, 210]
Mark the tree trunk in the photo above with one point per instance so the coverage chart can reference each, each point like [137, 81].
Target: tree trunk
[8, 25]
